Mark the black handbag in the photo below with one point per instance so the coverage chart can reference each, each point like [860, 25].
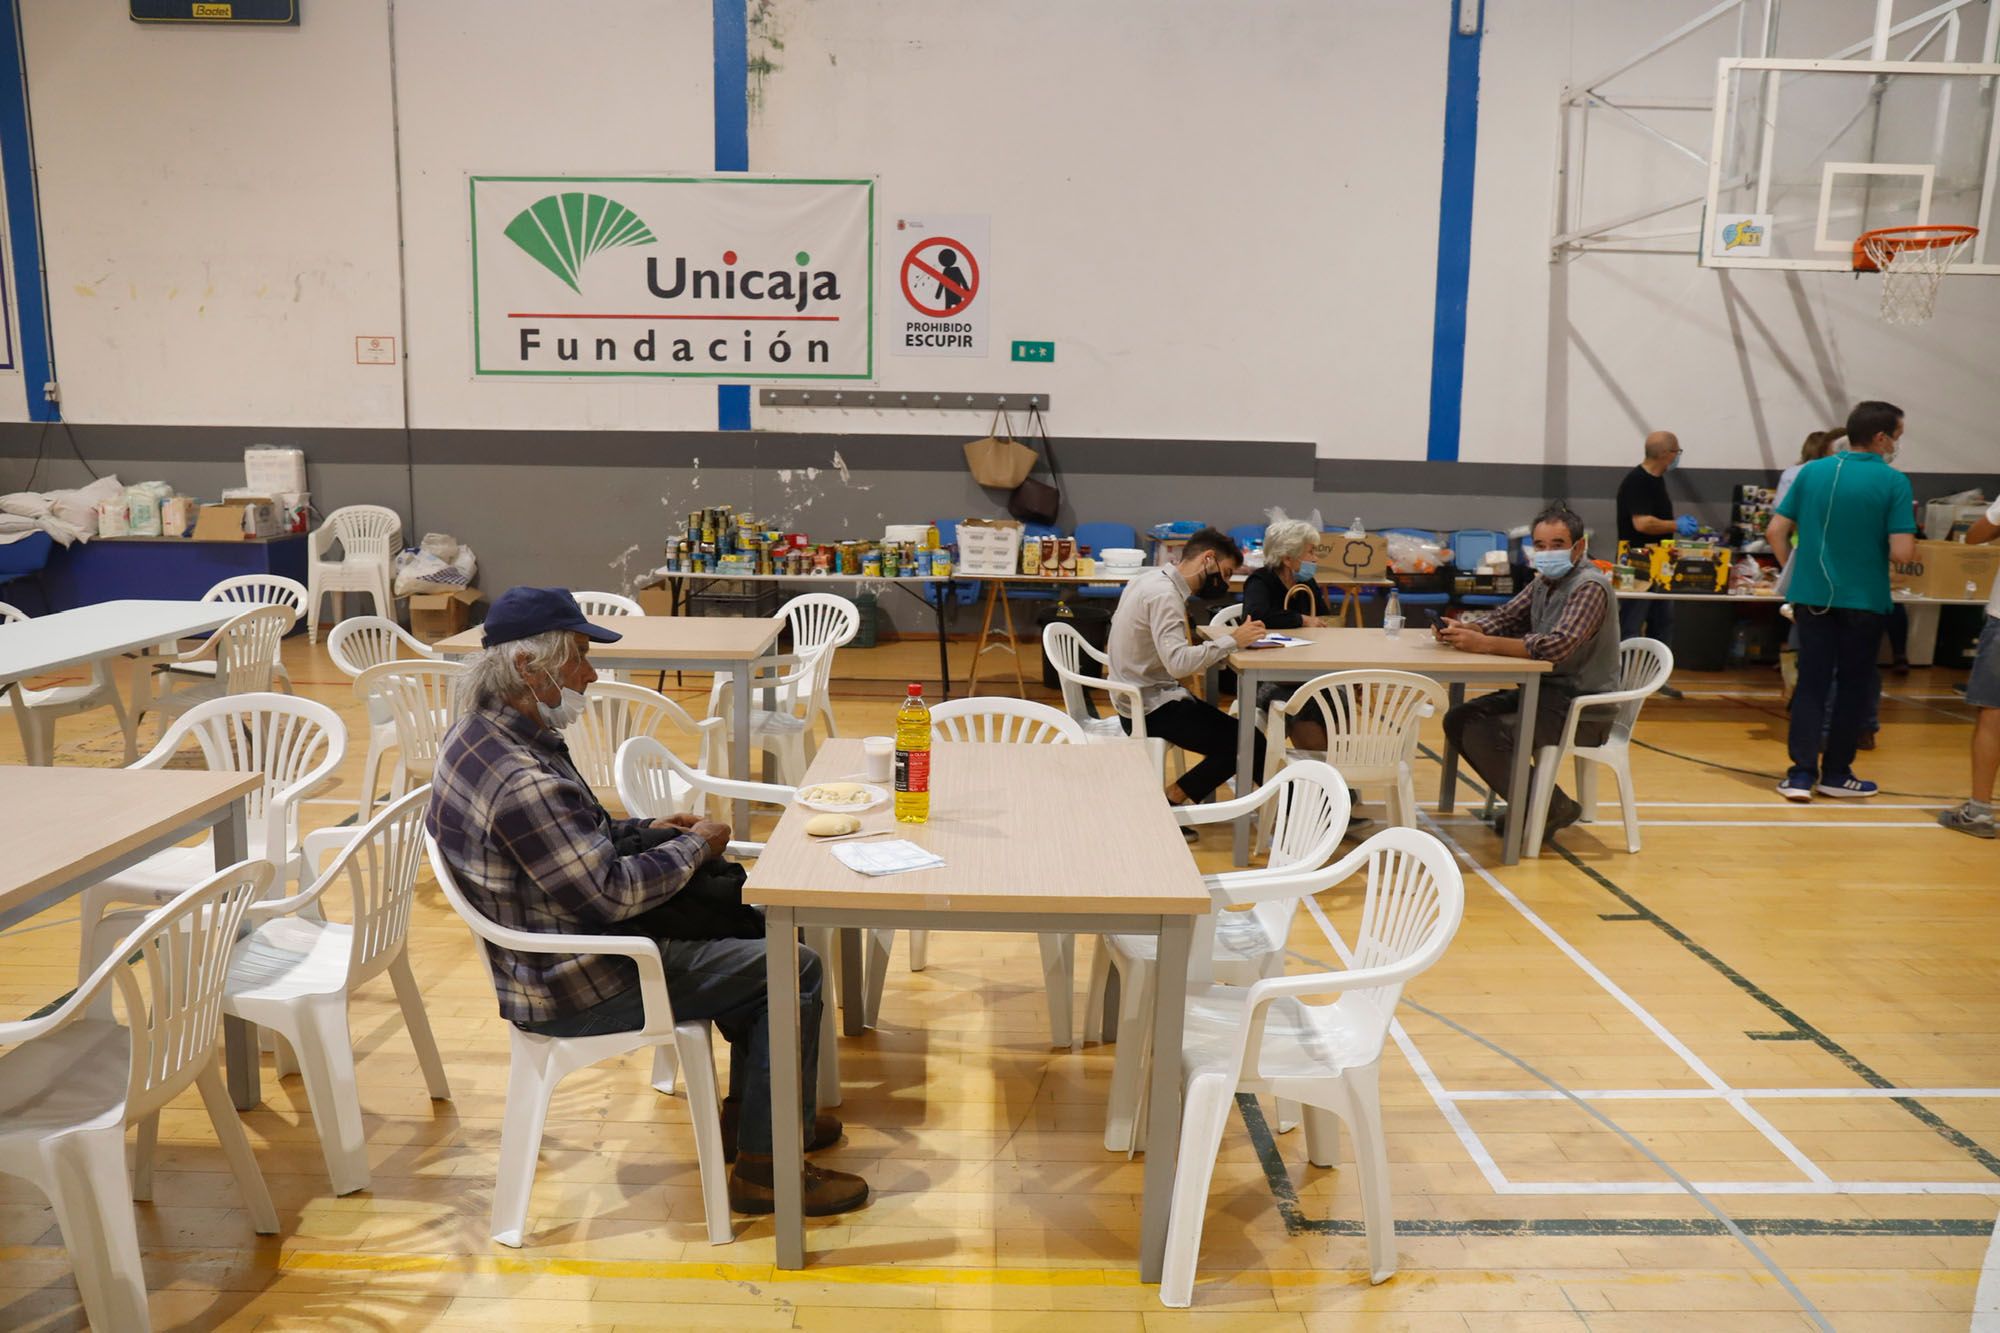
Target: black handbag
[1038, 501]
[709, 906]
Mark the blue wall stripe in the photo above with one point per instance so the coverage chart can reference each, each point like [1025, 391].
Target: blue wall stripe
[1454, 258]
[732, 153]
[23, 218]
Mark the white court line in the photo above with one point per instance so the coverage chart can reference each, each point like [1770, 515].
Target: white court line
[1658, 1029]
[1986, 1302]
[1469, 822]
[1709, 1094]
[1897, 1187]
[1611, 803]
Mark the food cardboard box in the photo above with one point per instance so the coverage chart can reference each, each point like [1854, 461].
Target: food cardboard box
[439, 615]
[1948, 570]
[236, 520]
[656, 601]
[1359, 559]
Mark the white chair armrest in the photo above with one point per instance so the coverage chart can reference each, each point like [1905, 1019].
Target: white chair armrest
[1215, 812]
[1240, 888]
[642, 951]
[764, 793]
[1262, 992]
[753, 850]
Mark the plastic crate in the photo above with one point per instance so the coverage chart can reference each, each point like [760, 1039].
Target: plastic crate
[741, 600]
[1437, 581]
[988, 552]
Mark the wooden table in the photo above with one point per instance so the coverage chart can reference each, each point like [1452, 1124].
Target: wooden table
[674, 643]
[66, 829]
[1417, 651]
[1034, 838]
[108, 629]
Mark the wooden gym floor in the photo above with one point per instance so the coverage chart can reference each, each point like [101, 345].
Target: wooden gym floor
[1796, 1008]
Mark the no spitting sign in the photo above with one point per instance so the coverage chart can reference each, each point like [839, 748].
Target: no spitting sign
[939, 285]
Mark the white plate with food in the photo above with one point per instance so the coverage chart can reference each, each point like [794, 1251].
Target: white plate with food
[841, 798]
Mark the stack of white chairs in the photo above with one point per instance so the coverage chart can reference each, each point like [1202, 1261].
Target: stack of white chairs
[795, 685]
[1309, 807]
[1325, 1058]
[35, 711]
[1644, 666]
[422, 701]
[251, 590]
[76, 1077]
[240, 654]
[538, 1064]
[355, 644]
[293, 972]
[369, 538]
[996, 721]
[653, 783]
[293, 744]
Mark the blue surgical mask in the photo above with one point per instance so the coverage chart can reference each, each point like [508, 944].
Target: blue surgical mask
[1552, 564]
[1307, 569]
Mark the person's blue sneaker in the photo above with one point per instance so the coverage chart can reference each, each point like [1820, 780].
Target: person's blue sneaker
[1849, 786]
[1796, 787]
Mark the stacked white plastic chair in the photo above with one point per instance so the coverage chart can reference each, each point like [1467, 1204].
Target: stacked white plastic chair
[653, 782]
[1374, 723]
[605, 606]
[538, 1064]
[35, 711]
[76, 1077]
[796, 685]
[294, 744]
[369, 537]
[1323, 1057]
[241, 654]
[1643, 666]
[421, 699]
[1309, 808]
[355, 644]
[613, 714]
[1067, 650]
[293, 973]
[997, 721]
[252, 590]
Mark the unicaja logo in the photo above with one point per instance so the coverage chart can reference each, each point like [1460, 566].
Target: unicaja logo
[561, 231]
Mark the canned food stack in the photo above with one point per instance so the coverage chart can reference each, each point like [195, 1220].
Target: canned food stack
[728, 544]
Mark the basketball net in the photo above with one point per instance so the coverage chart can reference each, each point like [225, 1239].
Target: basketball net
[1913, 262]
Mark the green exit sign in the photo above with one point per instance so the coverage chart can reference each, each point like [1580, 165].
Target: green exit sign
[1034, 351]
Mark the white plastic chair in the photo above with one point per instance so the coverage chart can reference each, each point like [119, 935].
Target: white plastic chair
[1067, 649]
[252, 590]
[1309, 807]
[785, 728]
[294, 744]
[1326, 1057]
[293, 974]
[369, 537]
[360, 642]
[35, 711]
[1228, 618]
[821, 620]
[613, 714]
[421, 699]
[538, 1064]
[1374, 722]
[240, 654]
[1643, 666]
[604, 606]
[999, 721]
[654, 782]
[76, 1078]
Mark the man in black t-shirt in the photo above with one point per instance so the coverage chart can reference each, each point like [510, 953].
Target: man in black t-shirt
[1646, 515]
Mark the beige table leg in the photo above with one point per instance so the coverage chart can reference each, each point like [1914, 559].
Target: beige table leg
[1163, 1113]
[1013, 647]
[788, 1145]
[239, 1039]
[985, 631]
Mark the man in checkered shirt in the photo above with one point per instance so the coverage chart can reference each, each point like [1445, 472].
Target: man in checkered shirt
[534, 850]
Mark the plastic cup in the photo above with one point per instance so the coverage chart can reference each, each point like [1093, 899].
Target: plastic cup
[880, 752]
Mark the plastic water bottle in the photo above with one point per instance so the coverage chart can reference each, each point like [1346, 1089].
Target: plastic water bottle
[1392, 615]
[913, 758]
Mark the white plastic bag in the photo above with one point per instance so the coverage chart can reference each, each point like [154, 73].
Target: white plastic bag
[426, 569]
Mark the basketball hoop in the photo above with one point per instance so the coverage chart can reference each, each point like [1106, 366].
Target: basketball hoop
[1913, 262]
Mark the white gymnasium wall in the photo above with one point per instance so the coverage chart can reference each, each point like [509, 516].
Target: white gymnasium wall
[1742, 364]
[1188, 198]
[218, 215]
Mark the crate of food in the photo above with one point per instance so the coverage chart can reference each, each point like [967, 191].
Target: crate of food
[989, 547]
[735, 598]
[1435, 580]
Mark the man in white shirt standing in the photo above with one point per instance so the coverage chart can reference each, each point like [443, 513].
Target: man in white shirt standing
[1152, 646]
[1982, 691]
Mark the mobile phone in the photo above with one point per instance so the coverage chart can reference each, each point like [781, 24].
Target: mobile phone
[1437, 620]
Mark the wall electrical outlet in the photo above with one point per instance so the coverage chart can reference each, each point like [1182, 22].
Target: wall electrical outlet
[51, 392]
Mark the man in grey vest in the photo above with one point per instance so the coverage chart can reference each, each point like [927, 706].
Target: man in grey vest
[1566, 616]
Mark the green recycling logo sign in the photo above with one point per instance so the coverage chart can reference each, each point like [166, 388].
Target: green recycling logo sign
[563, 230]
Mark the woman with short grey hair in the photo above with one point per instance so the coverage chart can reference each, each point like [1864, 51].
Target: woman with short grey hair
[1284, 596]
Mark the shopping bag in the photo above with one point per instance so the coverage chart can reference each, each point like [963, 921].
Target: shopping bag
[999, 460]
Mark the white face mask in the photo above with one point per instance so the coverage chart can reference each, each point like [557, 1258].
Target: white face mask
[563, 714]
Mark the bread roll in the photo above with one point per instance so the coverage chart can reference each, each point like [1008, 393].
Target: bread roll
[831, 826]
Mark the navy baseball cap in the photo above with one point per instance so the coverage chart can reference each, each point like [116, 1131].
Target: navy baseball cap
[522, 613]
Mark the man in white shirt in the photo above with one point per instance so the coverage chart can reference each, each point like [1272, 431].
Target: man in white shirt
[1982, 691]
[1152, 647]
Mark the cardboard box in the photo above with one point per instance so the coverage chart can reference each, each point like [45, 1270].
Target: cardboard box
[439, 615]
[1948, 570]
[236, 520]
[1340, 556]
[655, 601]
